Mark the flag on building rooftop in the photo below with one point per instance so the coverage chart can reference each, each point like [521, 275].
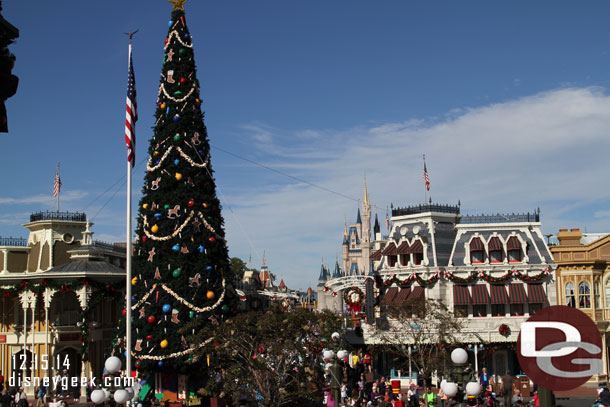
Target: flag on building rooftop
[131, 116]
[426, 178]
[56, 183]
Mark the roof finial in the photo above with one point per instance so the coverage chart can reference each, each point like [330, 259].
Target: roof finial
[178, 4]
[365, 202]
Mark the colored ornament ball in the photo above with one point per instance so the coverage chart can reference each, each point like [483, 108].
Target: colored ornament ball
[151, 319]
[166, 206]
[209, 268]
[175, 247]
[191, 314]
[210, 295]
[134, 281]
[167, 308]
[148, 337]
[145, 206]
[176, 273]
[178, 176]
[160, 363]
[212, 239]
[191, 203]
[176, 161]
[181, 51]
[182, 80]
[176, 137]
[164, 343]
[201, 249]
[144, 238]
[176, 117]
[124, 311]
[205, 205]
[154, 228]
[225, 308]
[170, 23]
[158, 215]
[162, 106]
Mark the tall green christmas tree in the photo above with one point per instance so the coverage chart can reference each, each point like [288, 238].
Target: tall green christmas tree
[181, 269]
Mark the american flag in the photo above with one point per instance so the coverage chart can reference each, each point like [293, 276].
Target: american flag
[387, 221]
[57, 183]
[131, 116]
[426, 178]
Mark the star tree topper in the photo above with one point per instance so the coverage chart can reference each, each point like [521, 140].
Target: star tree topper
[178, 4]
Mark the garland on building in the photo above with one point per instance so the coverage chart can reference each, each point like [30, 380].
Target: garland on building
[504, 330]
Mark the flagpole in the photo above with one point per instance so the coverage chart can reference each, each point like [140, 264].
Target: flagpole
[59, 190]
[425, 186]
[128, 258]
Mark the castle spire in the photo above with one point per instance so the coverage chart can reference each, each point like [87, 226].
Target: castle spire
[365, 202]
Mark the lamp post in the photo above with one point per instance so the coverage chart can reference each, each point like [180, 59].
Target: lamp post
[335, 368]
[462, 381]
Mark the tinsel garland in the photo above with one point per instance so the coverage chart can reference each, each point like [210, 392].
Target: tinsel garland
[175, 354]
[180, 299]
[177, 36]
[162, 90]
[182, 154]
[178, 230]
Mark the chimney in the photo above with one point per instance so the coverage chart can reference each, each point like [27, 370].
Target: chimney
[571, 238]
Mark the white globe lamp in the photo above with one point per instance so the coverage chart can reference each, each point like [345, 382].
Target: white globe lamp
[450, 389]
[459, 356]
[113, 364]
[443, 383]
[473, 389]
[130, 392]
[106, 394]
[342, 354]
[98, 396]
[328, 354]
[335, 336]
[121, 396]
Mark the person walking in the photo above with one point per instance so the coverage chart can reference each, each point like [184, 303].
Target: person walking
[604, 397]
[484, 379]
[507, 388]
[429, 398]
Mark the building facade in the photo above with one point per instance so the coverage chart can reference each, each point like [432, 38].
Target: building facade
[583, 280]
[61, 297]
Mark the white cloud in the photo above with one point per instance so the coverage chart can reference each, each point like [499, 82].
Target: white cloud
[547, 150]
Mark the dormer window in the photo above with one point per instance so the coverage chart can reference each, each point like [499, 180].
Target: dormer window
[513, 248]
[417, 250]
[495, 250]
[390, 253]
[477, 253]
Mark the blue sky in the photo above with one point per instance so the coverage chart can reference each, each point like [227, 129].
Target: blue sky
[509, 101]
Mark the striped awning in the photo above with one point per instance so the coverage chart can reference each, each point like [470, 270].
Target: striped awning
[389, 250]
[461, 296]
[516, 293]
[480, 295]
[376, 255]
[498, 294]
[403, 248]
[389, 296]
[495, 244]
[476, 244]
[513, 243]
[535, 294]
[416, 247]
[402, 296]
[416, 293]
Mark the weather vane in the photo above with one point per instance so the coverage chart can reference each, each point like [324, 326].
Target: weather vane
[178, 4]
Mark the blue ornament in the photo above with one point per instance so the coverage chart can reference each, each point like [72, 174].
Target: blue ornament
[209, 268]
[158, 215]
[176, 117]
[157, 162]
[125, 353]
[167, 308]
[160, 363]
[133, 298]
[175, 247]
[170, 23]
[176, 161]
[186, 36]
[201, 249]
[167, 111]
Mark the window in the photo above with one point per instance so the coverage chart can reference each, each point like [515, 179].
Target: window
[495, 250]
[479, 310]
[570, 299]
[516, 309]
[513, 247]
[498, 310]
[584, 295]
[418, 258]
[392, 261]
[608, 293]
[596, 294]
[417, 249]
[460, 311]
[404, 259]
[477, 254]
[533, 308]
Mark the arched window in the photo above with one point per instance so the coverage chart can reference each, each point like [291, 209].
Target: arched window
[495, 250]
[477, 252]
[596, 294]
[570, 297]
[513, 248]
[584, 295]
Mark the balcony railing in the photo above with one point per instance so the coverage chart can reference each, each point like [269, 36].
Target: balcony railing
[66, 216]
[13, 241]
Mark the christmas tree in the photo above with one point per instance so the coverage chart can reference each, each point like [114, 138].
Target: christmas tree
[180, 262]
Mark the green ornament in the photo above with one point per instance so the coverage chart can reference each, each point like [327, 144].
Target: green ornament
[166, 206]
[177, 93]
[225, 308]
[210, 218]
[176, 273]
[191, 314]
[181, 51]
[177, 136]
[190, 359]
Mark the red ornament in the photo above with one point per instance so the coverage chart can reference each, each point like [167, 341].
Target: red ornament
[124, 311]
[191, 203]
[151, 319]
[7, 293]
[166, 41]
[148, 337]
[44, 282]
[182, 80]
[212, 239]
[144, 238]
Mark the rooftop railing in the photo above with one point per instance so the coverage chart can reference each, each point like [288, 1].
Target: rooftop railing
[65, 216]
[415, 209]
[502, 218]
[13, 241]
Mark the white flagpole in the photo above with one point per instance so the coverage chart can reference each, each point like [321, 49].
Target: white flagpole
[59, 189]
[425, 186]
[128, 264]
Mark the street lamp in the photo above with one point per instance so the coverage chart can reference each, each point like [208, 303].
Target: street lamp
[120, 396]
[461, 380]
